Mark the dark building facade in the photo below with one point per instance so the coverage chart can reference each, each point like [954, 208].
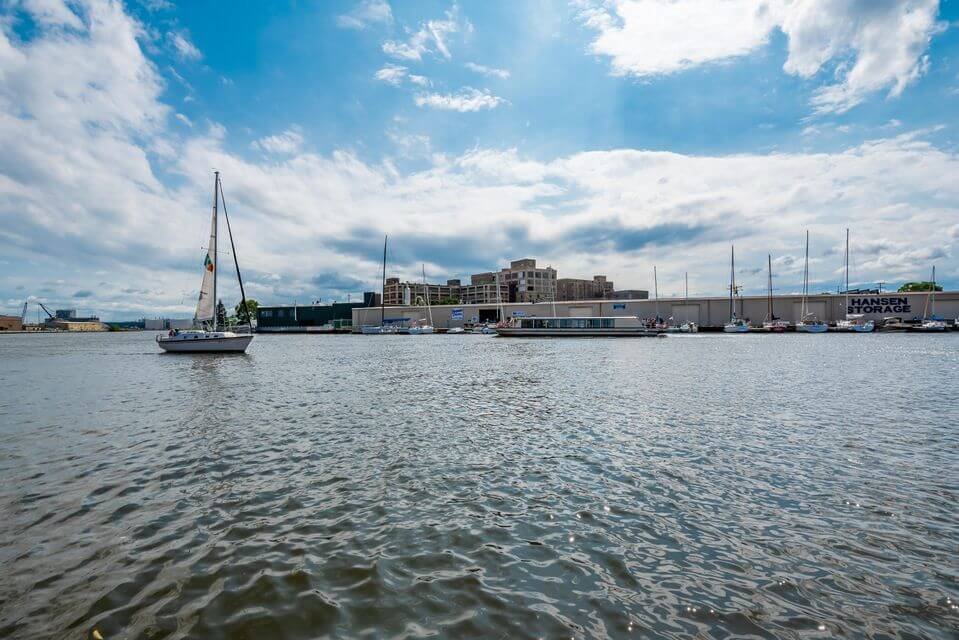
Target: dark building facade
[311, 317]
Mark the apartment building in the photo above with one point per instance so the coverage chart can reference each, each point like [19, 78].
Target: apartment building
[599, 288]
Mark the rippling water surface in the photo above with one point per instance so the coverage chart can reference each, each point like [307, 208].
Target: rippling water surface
[471, 486]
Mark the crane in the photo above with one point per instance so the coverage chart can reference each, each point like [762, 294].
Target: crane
[23, 314]
[42, 306]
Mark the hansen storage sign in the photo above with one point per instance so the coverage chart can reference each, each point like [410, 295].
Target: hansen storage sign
[893, 304]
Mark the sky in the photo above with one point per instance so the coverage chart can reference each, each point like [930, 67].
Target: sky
[599, 137]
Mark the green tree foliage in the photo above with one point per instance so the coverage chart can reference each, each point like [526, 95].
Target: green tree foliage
[242, 315]
[220, 314]
[911, 287]
[450, 301]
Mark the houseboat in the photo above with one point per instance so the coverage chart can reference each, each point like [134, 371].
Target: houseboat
[615, 326]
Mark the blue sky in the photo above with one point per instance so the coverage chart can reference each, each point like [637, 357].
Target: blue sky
[599, 137]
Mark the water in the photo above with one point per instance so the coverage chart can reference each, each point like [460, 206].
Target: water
[470, 486]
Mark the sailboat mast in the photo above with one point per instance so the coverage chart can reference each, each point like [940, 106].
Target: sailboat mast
[805, 278]
[847, 270]
[656, 291]
[732, 281]
[426, 288]
[216, 260]
[769, 295]
[933, 293]
[686, 298]
[236, 262]
[383, 290]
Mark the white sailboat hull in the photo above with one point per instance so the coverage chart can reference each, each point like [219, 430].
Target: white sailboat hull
[735, 327]
[418, 331]
[850, 326]
[205, 342]
[811, 327]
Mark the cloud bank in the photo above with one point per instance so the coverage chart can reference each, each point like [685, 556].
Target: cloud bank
[875, 45]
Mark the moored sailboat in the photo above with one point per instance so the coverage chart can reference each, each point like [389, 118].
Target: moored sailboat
[687, 326]
[210, 337]
[376, 330]
[930, 323]
[854, 321]
[808, 322]
[771, 323]
[735, 325]
[423, 327]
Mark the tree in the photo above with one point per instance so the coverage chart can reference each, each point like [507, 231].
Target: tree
[449, 301]
[243, 315]
[220, 314]
[911, 287]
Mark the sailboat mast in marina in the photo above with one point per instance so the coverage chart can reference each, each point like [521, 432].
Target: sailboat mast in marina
[687, 326]
[381, 329]
[852, 322]
[210, 337]
[929, 320]
[808, 322]
[735, 325]
[422, 327]
[772, 323]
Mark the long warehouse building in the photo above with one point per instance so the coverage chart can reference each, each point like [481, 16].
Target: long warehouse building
[707, 312]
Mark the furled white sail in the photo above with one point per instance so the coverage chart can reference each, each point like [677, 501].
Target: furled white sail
[206, 305]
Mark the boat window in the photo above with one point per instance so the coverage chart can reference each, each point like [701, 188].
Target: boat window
[607, 323]
[579, 323]
[565, 323]
[551, 323]
[593, 323]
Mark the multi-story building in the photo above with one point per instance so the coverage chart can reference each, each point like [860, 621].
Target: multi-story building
[525, 281]
[484, 293]
[630, 294]
[396, 292]
[599, 288]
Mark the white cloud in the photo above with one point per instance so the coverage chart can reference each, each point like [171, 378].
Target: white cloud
[878, 45]
[184, 48]
[393, 74]
[422, 81]
[52, 13]
[430, 37]
[487, 71]
[468, 99]
[366, 13]
[182, 118]
[288, 142]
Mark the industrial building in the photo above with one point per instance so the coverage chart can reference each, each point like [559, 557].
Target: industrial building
[11, 323]
[165, 324]
[599, 288]
[313, 318]
[399, 293]
[705, 311]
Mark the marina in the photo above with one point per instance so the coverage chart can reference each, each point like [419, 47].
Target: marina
[888, 310]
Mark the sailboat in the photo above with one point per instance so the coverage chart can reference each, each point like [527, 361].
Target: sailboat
[854, 321]
[808, 322]
[687, 326]
[771, 322]
[210, 337]
[930, 322]
[421, 328]
[735, 325]
[658, 323]
[375, 330]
